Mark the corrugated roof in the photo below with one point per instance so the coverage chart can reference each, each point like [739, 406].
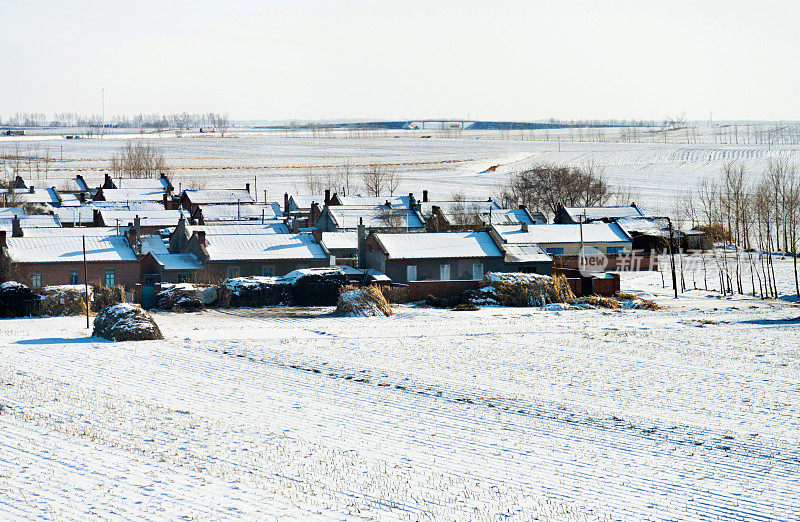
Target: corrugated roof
[252, 211]
[438, 245]
[263, 247]
[132, 194]
[178, 261]
[218, 196]
[376, 217]
[340, 240]
[150, 184]
[525, 253]
[149, 218]
[69, 249]
[594, 213]
[34, 221]
[240, 228]
[658, 227]
[546, 234]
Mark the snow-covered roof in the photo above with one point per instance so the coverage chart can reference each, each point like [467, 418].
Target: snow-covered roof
[178, 261]
[546, 234]
[133, 194]
[128, 205]
[644, 225]
[524, 253]
[218, 196]
[249, 211]
[242, 247]
[69, 249]
[340, 240]
[376, 217]
[595, 213]
[153, 243]
[38, 195]
[73, 231]
[239, 228]
[60, 184]
[372, 201]
[303, 201]
[438, 245]
[446, 206]
[82, 214]
[148, 184]
[34, 221]
[149, 218]
[9, 212]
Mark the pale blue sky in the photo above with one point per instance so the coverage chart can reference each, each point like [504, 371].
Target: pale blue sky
[403, 59]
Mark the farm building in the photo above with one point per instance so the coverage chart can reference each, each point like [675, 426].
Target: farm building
[191, 200]
[383, 217]
[45, 257]
[565, 240]
[607, 214]
[433, 256]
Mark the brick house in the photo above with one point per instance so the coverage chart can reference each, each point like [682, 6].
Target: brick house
[45, 257]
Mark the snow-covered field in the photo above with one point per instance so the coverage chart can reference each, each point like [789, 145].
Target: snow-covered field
[656, 173]
[691, 412]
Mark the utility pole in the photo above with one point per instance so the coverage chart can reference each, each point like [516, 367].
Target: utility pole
[85, 283]
[672, 260]
[580, 251]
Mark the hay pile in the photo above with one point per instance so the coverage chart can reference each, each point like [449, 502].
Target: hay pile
[396, 294]
[179, 298]
[126, 322]
[634, 301]
[521, 290]
[17, 300]
[105, 296]
[63, 300]
[252, 292]
[367, 301]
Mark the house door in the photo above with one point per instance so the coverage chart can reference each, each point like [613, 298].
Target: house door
[149, 292]
[411, 273]
[477, 271]
[444, 272]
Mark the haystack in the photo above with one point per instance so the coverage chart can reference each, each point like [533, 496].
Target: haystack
[17, 300]
[63, 300]
[363, 302]
[126, 322]
[104, 296]
[527, 289]
[179, 298]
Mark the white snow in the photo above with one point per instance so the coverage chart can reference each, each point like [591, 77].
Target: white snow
[438, 245]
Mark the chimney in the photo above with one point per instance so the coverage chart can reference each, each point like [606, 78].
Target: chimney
[424, 196]
[81, 197]
[131, 236]
[3, 243]
[317, 235]
[19, 182]
[327, 197]
[285, 202]
[108, 183]
[16, 228]
[633, 204]
[524, 227]
[247, 187]
[387, 204]
[523, 207]
[314, 214]
[362, 243]
[411, 202]
[201, 237]
[31, 189]
[167, 202]
[96, 221]
[295, 226]
[137, 224]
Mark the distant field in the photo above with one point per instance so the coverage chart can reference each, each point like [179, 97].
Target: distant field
[655, 173]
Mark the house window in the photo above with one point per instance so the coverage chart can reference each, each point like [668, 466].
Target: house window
[73, 277]
[233, 271]
[555, 251]
[36, 279]
[477, 271]
[268, 270]
[111, 277]
[615, 250]
[183, 278]
[411, 273]
[444, 272]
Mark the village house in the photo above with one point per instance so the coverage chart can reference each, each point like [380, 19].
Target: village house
[266, 254]
[341, 245]
[566, 240]
[383, 217]
[149, 221]
[191, 200]
[607, 214]
[129, 195]
[44, 257]
[433, 256]
[169, 268]
[32, 195]
[237, 213]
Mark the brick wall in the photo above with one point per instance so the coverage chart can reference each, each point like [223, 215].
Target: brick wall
[419, 290]
[127, 272]
[615, 262]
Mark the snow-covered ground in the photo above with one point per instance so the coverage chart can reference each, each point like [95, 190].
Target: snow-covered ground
[654, 172]
[690, 412]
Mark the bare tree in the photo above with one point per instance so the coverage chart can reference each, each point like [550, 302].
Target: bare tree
[138, 161]
[392, 179]
[374, 179]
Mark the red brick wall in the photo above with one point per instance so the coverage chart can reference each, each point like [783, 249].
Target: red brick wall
[127, 272]
[607, 286]
[419, 290]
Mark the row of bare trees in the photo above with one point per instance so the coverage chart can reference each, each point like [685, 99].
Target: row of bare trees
[138, 161]
[376, 179]
[752, 219]
[32, 160]
[547, 187]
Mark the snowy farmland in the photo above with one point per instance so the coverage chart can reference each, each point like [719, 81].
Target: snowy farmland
[690, 412]
[656, 173]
